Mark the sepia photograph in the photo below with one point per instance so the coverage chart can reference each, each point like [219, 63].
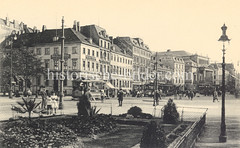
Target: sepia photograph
[119, 74]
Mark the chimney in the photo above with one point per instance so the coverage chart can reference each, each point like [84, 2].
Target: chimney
[168, 50]
[78, 26]
[75, 25]
[44, 28]
[7, 21]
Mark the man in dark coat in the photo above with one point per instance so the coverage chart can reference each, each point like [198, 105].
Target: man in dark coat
[120, 97]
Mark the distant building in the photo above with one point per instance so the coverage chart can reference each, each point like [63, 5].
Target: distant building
[81, 57]
[121, 69]
[141, 57]
[99, 37]
[162, 72]
[196, 68]
[8, 27]
[176, 64]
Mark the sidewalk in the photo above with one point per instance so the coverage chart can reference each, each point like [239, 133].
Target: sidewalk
[209, 139]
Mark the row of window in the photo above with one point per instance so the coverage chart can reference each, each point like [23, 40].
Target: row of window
[120, 83]
[55, 51]
[103, 54]
[121, 71]
[141, 60]
[57, 62]
[181, 66]
[104, 44]
[178, 81]
[142, 52]
[141, 69]
[121, 60]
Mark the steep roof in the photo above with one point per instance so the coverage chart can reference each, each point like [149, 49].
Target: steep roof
[133, 42]
[101, 32]
[47, 36]
[179, 53]
[119, 50]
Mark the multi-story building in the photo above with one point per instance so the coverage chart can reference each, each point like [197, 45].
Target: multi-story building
[230, 75]
[121, 68]
[141, 57]
[161, 72]
[176, 64]
[198, 72]
[81, 55]
[100, 38]
[7, 28]
[88, 52]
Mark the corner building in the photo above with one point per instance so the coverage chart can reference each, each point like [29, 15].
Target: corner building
[141, 58]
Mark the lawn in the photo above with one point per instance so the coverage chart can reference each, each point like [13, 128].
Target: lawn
[126, 136]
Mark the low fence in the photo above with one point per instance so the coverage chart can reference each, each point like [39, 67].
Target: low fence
[114, 109]
[188, 113]
[189, 138]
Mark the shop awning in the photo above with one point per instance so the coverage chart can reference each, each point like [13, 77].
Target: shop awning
[109, 85]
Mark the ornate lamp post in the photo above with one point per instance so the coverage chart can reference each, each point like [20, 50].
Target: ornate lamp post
[61, 67]
[11, 66]
[223, 38]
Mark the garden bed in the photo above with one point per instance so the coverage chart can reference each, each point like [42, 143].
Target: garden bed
[100, 131]
[53, 131]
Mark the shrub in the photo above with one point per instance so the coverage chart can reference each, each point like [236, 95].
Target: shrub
[146, 116]
[90, 125]
[171, 115]
[93, 111]
[37, 134]
[135, 111]
[28, 105]
[153, 136]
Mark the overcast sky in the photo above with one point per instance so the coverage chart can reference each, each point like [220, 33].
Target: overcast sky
[191, 25]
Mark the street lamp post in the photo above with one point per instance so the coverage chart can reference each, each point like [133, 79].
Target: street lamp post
[61, 67]
[223, 38]
[156, 82]
[11, 66]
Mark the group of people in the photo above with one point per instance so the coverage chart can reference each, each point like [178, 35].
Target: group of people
[190, 94]
[49, 102]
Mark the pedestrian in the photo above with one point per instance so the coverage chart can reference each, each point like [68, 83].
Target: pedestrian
[180, 94]
[120, 97]
[55, 99]
[160, 94]
[102, 95]
[44, 97]
[175, 94]
[49, 105]
[88, 95]
[155, 99]
[191, 94]
[215, 95]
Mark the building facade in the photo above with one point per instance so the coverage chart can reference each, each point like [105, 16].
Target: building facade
[121, 69]
[176, 64]
[8, 27]
[141, 57]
